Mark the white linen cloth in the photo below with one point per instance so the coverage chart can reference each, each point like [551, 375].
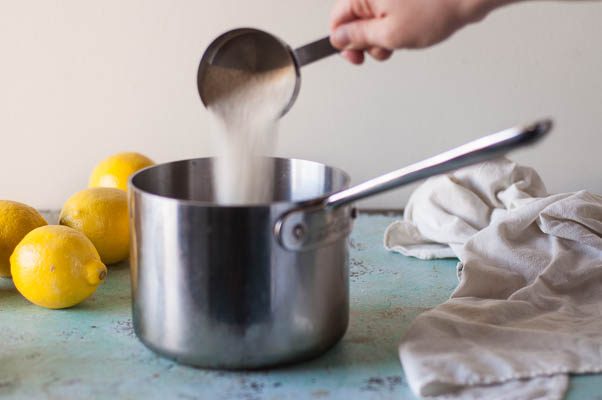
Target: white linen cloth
[528, 308]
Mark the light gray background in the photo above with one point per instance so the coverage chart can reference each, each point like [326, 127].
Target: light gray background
[81, 79]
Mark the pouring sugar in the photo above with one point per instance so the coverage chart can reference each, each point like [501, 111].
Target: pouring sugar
[246, 107]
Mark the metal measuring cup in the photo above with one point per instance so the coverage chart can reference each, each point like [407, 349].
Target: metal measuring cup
[255, 51]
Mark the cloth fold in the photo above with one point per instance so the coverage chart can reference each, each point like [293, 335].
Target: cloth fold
[528, 308]
[447, 210]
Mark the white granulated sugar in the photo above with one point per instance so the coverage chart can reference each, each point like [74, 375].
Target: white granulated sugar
[246, 107]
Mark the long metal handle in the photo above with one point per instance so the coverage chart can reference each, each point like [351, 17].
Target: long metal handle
[314, 51]
[324, 221]
[479, 150]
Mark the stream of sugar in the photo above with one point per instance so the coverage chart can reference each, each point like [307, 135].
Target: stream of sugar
[246, 107]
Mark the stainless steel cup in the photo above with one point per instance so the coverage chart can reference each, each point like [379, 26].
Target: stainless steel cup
[255, 286]
[252, 50]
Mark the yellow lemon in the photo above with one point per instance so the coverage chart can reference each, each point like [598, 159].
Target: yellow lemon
[56, 267]
[102, 215]
[115, 171]
[16, 221]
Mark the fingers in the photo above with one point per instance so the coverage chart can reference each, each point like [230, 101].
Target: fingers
[353, 56]
[357, 56]
[380, 54]
[359, 35]
[355, 29]
[345, 11]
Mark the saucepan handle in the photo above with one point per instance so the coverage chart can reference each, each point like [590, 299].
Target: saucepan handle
[485, 148]
[311, 224]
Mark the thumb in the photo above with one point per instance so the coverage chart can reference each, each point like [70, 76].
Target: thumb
[358, 35]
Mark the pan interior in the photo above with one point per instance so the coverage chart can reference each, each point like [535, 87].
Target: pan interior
[192, 180]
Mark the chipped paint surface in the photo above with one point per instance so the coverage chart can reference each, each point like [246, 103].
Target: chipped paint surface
[90, 351]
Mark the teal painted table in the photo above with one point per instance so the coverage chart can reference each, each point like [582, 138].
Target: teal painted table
[91, 352]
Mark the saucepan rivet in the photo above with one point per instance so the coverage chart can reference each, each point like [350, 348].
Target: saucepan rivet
[299, 232]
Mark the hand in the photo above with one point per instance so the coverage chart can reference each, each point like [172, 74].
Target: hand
[381, 26]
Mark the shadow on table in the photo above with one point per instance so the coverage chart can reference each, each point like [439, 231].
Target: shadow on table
[371, 340]
[7, 290]
[365, 360]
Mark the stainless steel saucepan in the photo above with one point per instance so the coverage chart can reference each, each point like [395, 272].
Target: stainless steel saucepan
[256, 286]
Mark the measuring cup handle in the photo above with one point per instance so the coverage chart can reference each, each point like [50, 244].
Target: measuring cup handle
[314, 51]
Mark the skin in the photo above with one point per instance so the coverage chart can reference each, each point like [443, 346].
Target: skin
[378, 27]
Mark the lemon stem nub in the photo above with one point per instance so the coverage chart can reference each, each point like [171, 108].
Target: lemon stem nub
[96, 272]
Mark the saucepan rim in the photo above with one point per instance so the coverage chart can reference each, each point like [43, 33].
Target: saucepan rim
[134, 188]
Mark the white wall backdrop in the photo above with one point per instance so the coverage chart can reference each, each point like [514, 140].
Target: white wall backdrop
[81, 79]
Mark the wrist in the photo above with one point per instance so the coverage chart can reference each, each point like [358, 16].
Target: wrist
[476, 10]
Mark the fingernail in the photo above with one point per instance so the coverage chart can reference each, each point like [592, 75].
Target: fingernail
[340, 38]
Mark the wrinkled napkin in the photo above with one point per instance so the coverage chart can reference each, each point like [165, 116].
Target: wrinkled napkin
[528, 308]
